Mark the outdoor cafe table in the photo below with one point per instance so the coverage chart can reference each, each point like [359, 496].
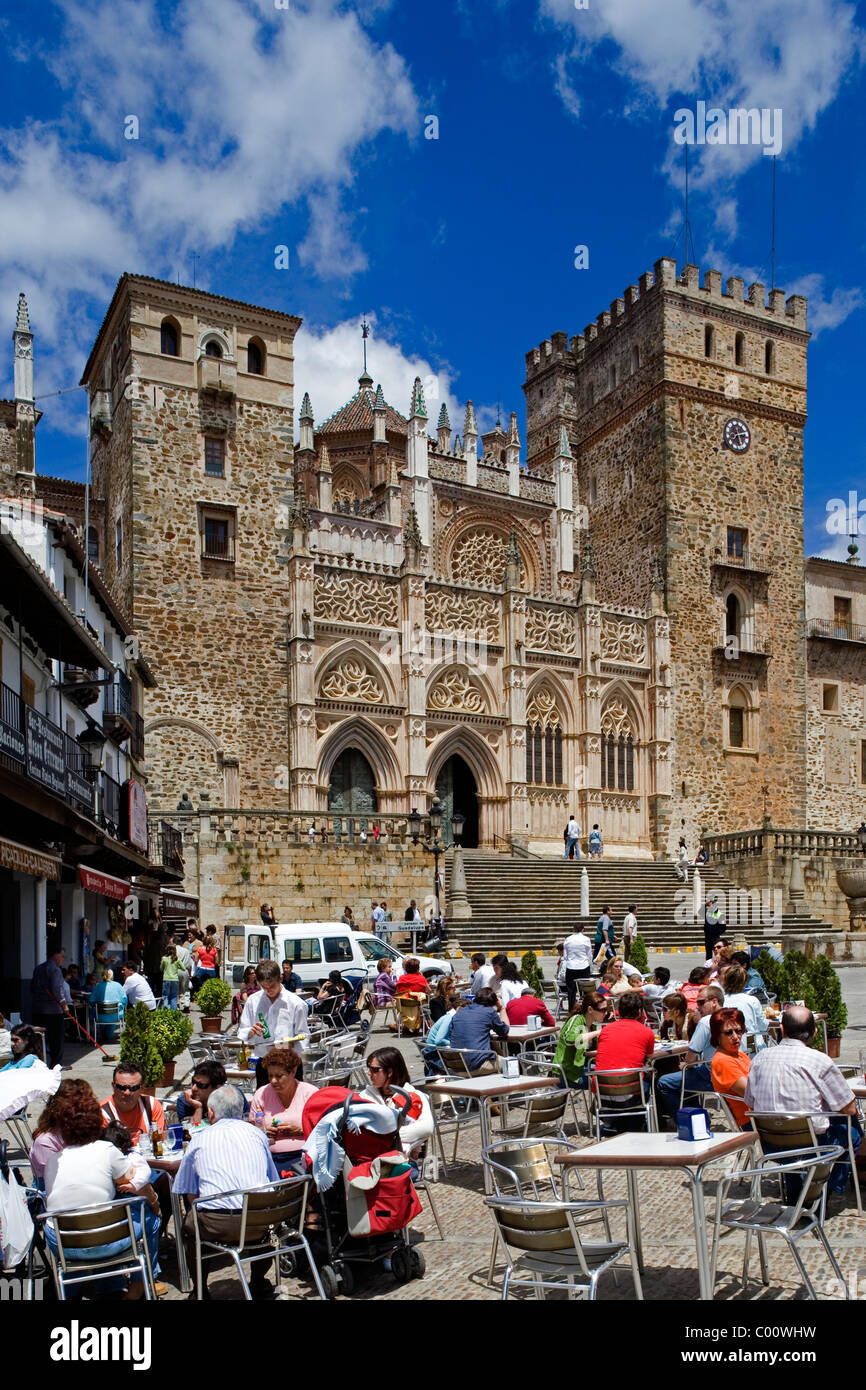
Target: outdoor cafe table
[170, 1166]
[653, 1151]
[485, 1089]
[519, 1033]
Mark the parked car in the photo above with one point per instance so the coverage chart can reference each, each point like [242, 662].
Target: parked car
[314, 949]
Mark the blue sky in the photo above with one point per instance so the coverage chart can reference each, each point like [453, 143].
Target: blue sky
[305, 126]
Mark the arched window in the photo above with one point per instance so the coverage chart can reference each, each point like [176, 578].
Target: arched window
[770, 357]
[740, 720]
[93, 545]
[169, 339]
[213, 349]
[255, 357]
[732, 616]
[543, 740]
[740, 349]
[709, 340]
[617, 748]
[612, 378]
[635, 358]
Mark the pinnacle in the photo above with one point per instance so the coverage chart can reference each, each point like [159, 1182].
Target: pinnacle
[513, 432]
[306, 408]
[469, 425]
[564, 447]
[418, 409]
[23, 323]
[324, 460]
[379, 402]
[444, 422]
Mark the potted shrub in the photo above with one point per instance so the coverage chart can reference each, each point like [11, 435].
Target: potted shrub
[212, 998]
[171, 1031]
[637, 955]
[828, 1000]
[137, 1046]
[531, 973]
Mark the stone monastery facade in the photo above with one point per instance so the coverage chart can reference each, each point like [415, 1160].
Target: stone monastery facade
[615, 626]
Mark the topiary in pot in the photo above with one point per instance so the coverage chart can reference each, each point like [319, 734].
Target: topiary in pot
[637, 955]
[137, 1044]
[771, 972]
[531, 972]
[212, 998]
[828, 996]
[797, 980]
[171, 1031]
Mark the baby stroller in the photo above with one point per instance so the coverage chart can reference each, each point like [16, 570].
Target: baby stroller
[365, 1189]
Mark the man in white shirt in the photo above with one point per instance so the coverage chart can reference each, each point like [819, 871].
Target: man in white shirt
[483, 975]
[378, 915]
[135, 986]
[572, 838]
[629, 931]
[272, 1015]
[577, 959]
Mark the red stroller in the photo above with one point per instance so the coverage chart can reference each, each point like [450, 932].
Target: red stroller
[365, 1188]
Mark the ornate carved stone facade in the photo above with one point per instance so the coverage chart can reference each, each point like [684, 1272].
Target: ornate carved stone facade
[378, 610]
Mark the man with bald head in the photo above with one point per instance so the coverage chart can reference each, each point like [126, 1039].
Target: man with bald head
[794, 1078]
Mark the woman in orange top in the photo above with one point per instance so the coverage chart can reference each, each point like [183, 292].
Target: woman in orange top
[730, 1066]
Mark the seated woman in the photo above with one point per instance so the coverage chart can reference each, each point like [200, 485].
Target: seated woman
[283, 1100]
[385, 983]
[699, 977]
[109, 991]
[249, 985]
[335, 987]
[412, 986]
[578, 1038]
[443, 997]
[676, 1017]
[386, 1069]
[440, 1036]
[46, 1136]
[510, 983]
[26, 1047]
[730, 1066]
[89, 1170]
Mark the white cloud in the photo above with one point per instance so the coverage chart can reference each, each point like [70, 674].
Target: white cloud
[244, 112]
[564, 89]
[790, 54]
[823, 312]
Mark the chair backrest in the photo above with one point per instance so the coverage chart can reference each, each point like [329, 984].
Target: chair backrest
[91, 1227]
[538, 1227]
[522, 1167]
[779, 1132]
[284, 1205]
[587, 986]
[454, 1061]
[105, 1011]
[619, 1087]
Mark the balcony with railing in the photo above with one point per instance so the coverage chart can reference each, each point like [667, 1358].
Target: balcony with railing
[12, 744]
[79, 776]
[117, 709]
[836, 630]
[79, 685]
[750, 641]
[165, 850]
[111, 793]
[136, 742]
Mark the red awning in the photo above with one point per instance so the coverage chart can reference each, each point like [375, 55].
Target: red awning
[104, 884]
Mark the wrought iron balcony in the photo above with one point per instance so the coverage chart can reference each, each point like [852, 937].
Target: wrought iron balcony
[117, 710]
[835, 631]
[165, 849]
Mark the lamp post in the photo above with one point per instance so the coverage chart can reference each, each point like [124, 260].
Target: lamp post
[861, 835]
[92, 740]
[459, 908]
[434, 846]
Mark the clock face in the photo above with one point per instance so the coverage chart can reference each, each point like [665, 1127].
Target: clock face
[737, 436]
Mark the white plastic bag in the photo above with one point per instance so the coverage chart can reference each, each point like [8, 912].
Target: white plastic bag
[16, 1223]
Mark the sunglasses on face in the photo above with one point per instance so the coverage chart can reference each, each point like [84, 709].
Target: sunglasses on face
[201, 1085]
[372, 1070]
[129, 1089]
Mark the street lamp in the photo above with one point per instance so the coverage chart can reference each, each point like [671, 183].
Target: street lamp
[92, 740]
[861, 835]
[457, 822]
[435, 847]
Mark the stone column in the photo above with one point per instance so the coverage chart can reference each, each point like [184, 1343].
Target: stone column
[514, 683]
[302, 696]
[414, 655]
[588, 789]
[659, 698]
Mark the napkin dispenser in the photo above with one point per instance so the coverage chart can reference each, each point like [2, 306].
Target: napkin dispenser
[510, 1066]
[693, 1123]
[533, 1023]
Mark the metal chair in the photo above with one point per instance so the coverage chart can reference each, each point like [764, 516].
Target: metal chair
[552, 1252]
[106, 1016]
[409, 1011]
[796, 1130]
[271, 1224]
[762, 1216]
[19, 1126]
[522, 1117]
[428, 1173]
[542, 1066]
[90, 1228]
[620, 1093]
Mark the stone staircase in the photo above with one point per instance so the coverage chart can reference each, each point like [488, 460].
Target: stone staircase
[521, 904]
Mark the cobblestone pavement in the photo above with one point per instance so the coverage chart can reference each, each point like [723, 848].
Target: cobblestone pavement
[457, 1266]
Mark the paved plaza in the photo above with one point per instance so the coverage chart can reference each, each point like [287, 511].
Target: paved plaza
[457, 1265]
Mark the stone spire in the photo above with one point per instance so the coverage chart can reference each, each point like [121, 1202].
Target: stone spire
[25, 408]
[587, 561]
[443, 429]
[23, 341]
[324, 480]
[512, 457]
[22, 324]
[324, 459]
[512, 563]
[470, 445]
[457, 446]
[417, 408]
[300, 514]
[564, 446]
[379, 416]
[307, 422]
[412, 531]
[513, 431]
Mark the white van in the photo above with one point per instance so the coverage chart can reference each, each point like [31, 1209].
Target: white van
[314, 950]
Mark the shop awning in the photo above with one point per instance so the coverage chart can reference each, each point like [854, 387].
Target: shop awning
[103, 884]
[29, 861]
[173, 904]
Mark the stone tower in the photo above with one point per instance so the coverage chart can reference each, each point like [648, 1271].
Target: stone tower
[684, 406]
[191, 410]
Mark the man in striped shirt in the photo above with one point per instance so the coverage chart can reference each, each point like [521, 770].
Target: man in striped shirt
[230, 1153]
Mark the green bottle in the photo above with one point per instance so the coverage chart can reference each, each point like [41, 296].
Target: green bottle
[266, 1032]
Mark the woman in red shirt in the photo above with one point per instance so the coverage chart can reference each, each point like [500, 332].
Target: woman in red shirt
[730, 1066]
[412, 981]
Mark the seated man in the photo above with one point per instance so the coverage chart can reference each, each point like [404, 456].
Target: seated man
[627, 1042]
[794, 1078]
[138, 991]
[698, 1059]
[527, 1006]
[290, 978]
[192, 1104]
[226, 1153]
[471, 1029]
[140, 1114]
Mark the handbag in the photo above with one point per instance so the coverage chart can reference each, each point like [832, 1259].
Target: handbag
[16, 1223]
[380, 1197]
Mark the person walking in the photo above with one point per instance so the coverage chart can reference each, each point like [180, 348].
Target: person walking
[595, 843]
[49, 1011]
[604, 935]
[714, 924]
[378, 919]
[572, 838]
[170, 975]
[681, 867]
[629, 931]
[577, 959]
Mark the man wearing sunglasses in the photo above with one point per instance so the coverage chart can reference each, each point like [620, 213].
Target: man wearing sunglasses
[126, 1103]
[698, 1059]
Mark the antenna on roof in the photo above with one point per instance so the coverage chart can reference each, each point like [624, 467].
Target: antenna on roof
[194, 255]
[687, 226]
[773, 231]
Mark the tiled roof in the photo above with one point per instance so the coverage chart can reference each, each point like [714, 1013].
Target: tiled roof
[357, 414]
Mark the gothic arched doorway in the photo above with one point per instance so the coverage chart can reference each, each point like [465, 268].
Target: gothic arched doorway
[457, 790]
[352, 787]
